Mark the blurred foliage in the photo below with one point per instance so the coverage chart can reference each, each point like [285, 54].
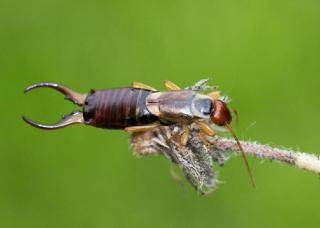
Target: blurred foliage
[263, 54]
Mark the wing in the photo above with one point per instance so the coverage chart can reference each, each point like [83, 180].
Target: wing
[179, 106]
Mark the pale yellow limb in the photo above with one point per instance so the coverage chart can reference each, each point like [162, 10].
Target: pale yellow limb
[205, 128]
[142, 128]
[185, 135]
[214, 95]
[203, 138]
[171, 86]
[139, 85]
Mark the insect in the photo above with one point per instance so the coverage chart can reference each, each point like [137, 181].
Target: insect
[142, 108]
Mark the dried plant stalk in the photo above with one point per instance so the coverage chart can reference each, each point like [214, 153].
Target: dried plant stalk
[196, 158]
[309, 162]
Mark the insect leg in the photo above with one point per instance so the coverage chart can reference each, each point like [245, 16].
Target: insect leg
[142, 128]
[139, 85]
[205, 128]
[185, 135]
[203, 138]
[214, 95]
[170, 85]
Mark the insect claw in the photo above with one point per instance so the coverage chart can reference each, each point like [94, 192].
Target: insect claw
[75, 97]
[73, 118]
[69, 98]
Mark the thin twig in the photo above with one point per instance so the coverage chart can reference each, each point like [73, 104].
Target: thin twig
[301, 160]
[195, 159]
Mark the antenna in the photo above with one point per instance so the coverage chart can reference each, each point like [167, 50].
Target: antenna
[235, 112]
[242, 154]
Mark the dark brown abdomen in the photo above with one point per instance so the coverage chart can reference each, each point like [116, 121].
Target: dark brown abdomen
[117, 108]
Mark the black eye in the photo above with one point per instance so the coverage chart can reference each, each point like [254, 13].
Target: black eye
[203, 105]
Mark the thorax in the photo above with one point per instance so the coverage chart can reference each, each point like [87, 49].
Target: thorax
[179, 106]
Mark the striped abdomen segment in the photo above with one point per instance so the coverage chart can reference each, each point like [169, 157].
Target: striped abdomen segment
[117, 108]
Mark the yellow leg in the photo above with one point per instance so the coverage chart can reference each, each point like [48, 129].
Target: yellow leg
[185, 135]
[205, 128]
[203, 137]
[140, 85]
[170, 85]
[214, 95]
[142, 128]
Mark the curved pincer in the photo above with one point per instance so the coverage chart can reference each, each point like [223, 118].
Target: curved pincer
[75, 97]
[75, 117]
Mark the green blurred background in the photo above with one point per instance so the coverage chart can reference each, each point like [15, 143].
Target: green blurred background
[263, 54]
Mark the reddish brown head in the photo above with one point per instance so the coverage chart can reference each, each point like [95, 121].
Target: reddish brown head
[220, 114]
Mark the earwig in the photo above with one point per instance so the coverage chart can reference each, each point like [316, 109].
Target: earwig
[141, 108]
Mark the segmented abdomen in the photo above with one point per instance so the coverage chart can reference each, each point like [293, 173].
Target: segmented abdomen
[117, 108]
